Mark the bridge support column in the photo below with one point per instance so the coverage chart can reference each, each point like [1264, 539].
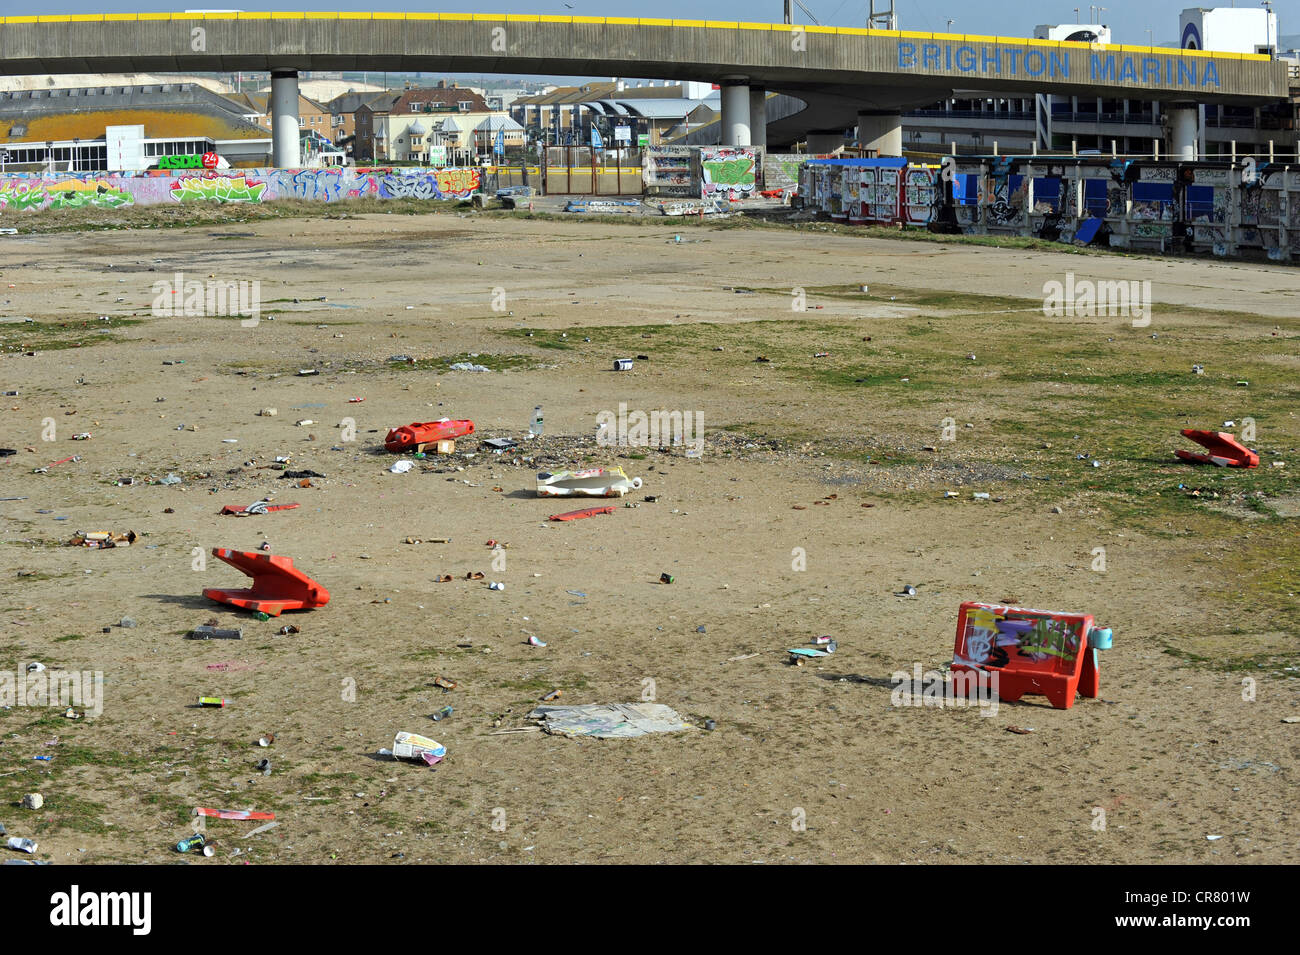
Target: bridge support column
[735, 111]
[286, 152]
[1183, 136]
[881, 130]
[825, 140]
[757, 116]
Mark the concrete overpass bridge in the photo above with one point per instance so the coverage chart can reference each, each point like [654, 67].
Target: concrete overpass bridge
[847, 76]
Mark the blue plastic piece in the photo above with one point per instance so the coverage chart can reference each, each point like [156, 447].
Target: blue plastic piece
[1099, 638]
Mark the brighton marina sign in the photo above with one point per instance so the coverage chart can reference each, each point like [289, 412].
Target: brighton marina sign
[1007, 61]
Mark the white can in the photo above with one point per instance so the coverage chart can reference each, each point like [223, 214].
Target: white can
[622, 364]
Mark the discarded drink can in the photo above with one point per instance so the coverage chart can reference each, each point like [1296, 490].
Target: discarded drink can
[209, 849]
[22, 845]
[264, 767]
[211, 701]
[266, 740]
[442, 713]
[196, 841]
[622, 364]
[666, 578]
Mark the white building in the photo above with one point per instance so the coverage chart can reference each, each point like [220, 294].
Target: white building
[1228, 29]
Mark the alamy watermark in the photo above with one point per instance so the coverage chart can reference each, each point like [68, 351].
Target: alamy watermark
[956, 688]
[61, 688]
[1084, 298]
[655, 429]
[215, 298]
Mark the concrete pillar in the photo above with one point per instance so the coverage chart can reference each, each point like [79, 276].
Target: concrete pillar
[881, 130]
[757, 116]
[1183, 131]
[825, 141]
[735, 111]
[286, 147]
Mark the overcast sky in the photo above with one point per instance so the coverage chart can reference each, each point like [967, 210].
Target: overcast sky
[1128, 20]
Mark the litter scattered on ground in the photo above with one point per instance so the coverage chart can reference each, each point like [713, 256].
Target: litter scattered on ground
[609, 720]
[257, 507]
[102, 540]
[206, 632]
[416, 748]
[242, 815]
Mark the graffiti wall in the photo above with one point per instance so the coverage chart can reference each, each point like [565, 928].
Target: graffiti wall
[669, 171]
[1220, 207]
[21, 192]
[728, 172]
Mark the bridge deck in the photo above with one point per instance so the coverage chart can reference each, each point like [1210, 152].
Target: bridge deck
[887, 68]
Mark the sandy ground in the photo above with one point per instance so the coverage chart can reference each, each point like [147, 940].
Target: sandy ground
[1170, 751]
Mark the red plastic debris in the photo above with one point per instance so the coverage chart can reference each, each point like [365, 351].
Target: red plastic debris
[1225, 450]
[402, 439]
[579, 515]
[277, 584]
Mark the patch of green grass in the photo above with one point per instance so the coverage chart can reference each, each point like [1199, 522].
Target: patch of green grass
[68, 811]
[59, 336]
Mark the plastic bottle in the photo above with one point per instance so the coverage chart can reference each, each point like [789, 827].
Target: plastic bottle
[535, 429]
[442, 713]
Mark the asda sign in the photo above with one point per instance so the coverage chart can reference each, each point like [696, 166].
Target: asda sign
[190, 161]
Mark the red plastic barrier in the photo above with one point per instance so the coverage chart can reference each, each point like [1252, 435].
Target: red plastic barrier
[277, 584]
[1225, 451]
[1029, 651]
[405, 438]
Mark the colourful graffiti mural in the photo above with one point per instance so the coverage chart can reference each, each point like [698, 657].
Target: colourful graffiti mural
[728, 171]
[435, 184]
[217, 189]
[22, 192]
[25, 195]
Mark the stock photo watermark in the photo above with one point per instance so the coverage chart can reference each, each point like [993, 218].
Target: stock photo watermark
[654, 429]
[65, 689]
[211, 298]
[957, 688]
[1086, 298]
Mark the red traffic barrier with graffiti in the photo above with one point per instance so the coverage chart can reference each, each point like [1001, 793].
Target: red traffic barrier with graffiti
[1041, 652]
[277, 584]
[412, 435]
[1225, 450]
